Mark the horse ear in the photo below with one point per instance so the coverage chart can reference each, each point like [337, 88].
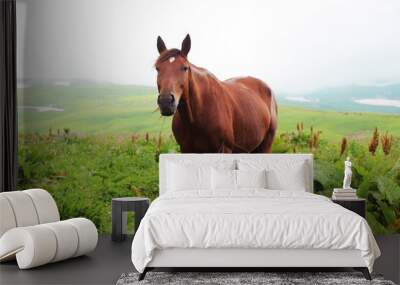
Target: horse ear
[160, 45]
[186, 46]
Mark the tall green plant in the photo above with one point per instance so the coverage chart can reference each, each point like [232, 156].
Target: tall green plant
[85, 173]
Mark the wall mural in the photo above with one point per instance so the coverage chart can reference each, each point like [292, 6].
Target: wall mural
[100, 96]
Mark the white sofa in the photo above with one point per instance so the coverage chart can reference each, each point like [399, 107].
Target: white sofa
[31, 230]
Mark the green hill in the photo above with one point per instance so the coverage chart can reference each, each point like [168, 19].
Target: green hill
[343, 98]
[84, 172]
[115, 109]
[335, 125]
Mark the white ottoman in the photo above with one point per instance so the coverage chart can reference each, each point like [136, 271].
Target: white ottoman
[33, 243]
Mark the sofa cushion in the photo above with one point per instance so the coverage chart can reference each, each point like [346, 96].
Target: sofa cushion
[7, 220]
[40, 244]
[23, 208]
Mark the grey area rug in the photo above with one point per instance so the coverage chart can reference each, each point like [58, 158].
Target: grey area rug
[228, 278]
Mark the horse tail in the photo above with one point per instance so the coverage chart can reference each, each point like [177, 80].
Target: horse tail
[274, 101]
[273, 106]
[270, 135]
[274, 111]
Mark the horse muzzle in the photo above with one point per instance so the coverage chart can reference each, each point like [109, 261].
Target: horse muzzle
[167, 104]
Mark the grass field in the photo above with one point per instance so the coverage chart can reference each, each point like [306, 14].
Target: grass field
[115, 109]
[83, 174]
[98, 149]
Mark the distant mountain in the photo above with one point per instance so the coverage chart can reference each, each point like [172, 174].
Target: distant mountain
[353, 98]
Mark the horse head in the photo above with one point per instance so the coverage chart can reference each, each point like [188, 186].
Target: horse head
[172, 75]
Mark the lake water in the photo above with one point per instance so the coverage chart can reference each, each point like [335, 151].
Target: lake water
[42, 108]
[301, 99]
[379, 102]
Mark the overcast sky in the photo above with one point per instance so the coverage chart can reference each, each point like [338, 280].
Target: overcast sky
[294, 46]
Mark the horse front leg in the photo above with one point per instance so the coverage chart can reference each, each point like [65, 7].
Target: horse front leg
[186, 149]
[225, 149]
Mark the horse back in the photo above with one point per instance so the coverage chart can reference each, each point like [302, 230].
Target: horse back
[256, 87]
[237, 113]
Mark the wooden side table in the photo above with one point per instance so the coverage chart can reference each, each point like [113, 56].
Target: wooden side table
[357, 205]
[120, 206]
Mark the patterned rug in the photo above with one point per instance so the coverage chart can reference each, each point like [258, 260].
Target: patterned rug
[243, 278]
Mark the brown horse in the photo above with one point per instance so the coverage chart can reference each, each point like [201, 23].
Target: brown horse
[235, 115]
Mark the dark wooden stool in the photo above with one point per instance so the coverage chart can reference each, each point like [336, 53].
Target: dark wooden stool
[120, 206]
[357, 205]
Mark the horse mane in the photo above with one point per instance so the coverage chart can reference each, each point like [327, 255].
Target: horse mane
[167, 54]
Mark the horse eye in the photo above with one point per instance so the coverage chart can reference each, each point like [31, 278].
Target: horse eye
[185, 68]
[157, 69]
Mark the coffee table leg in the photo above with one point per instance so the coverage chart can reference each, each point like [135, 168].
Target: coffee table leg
[116, 214]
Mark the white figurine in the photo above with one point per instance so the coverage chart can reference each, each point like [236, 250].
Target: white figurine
[347, 174]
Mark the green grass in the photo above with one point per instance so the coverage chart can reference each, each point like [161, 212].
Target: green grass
[105, 152]
[112, 109]
[92, 110]
[335, 125]
[83, 174]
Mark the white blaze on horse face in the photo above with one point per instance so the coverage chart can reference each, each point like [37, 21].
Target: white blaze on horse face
[171, 59]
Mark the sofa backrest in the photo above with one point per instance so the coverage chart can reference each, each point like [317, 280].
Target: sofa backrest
[26, 208]
[268, 160]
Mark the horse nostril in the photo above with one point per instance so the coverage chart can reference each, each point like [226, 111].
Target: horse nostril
[165, 99]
